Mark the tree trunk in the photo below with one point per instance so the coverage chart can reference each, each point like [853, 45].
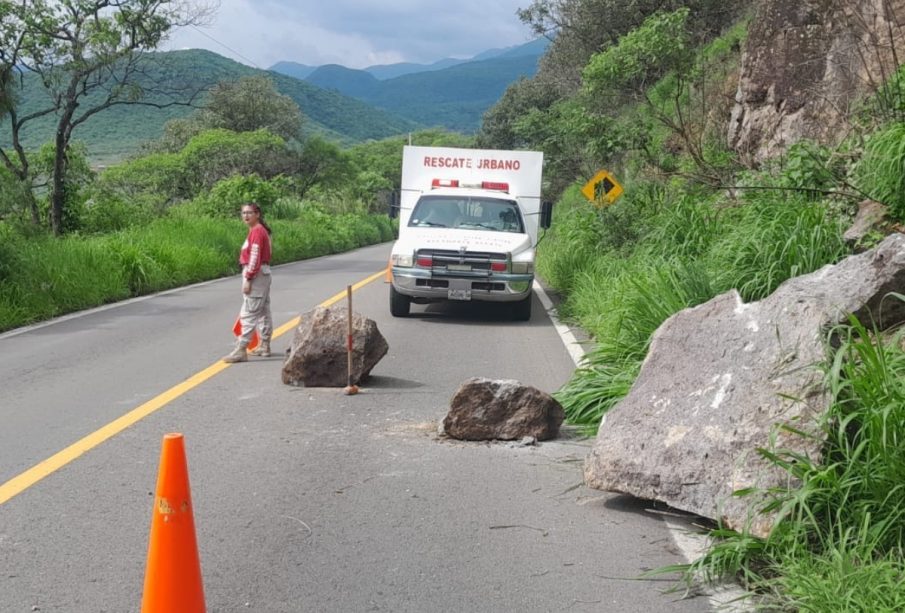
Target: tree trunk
[33, 207]
[58, 191]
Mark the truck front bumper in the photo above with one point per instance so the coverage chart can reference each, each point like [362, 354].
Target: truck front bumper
[427, 286]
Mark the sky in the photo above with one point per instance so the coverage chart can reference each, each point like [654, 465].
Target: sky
[355, 33]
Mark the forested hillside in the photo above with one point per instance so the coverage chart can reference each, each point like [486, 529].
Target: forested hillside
[455, 98]
[174, 76]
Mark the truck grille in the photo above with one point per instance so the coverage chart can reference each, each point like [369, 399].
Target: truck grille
[478, 261]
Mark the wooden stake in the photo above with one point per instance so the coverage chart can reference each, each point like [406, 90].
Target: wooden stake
[350, 388]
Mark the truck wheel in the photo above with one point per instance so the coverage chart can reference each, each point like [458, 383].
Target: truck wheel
[400, 304]
[521, 310]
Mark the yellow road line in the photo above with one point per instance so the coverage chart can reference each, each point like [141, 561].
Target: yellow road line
[23, 481]
[291, 324]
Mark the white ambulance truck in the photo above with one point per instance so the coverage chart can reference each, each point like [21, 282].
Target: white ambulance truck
[468, 227]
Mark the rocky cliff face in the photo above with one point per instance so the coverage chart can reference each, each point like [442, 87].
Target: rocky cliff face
[804, 65]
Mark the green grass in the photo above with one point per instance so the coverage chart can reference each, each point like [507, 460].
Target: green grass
[672, 252]
[839, 542]
[881, 172]
[777, 236]
[44, 277]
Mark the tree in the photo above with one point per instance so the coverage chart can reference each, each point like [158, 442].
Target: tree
[660, 51]
[320, 163]
[11, 39]
[88, 56]
[581, 28]
[252, 103]
[498, 129]
[249, 104]
[215, 155]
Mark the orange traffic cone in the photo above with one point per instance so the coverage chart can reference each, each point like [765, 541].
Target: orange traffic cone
[173, 573]
[237, 331]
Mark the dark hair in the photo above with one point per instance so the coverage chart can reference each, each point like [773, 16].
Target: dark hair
[260, 213]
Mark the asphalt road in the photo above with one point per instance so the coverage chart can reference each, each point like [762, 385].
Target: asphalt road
[305, 499]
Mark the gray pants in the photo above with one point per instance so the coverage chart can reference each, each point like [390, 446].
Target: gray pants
[255, 311]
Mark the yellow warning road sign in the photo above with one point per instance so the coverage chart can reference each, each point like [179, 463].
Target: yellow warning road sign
[602, 189]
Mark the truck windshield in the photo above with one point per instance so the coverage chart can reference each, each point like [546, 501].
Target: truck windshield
[473, 213]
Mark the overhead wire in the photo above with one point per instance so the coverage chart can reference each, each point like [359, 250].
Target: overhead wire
[225, 46]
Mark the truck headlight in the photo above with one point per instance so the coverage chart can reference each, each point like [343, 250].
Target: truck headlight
[403, 260]
[522, 268]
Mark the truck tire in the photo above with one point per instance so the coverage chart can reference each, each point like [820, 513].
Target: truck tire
[521, 310]
[400, 304]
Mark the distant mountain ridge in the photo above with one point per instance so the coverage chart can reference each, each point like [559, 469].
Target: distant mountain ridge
[455, 97]
[451, 93]
[537, 47]
[347, 81]
[341, 104]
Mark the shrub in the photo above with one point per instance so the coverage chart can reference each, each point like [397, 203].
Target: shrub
[881, 172]
[106, 212]
[226, 198]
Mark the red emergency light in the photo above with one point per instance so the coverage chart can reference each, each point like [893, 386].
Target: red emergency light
[444, 183]
[499, 186]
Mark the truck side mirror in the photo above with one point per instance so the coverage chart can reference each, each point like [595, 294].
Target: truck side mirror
[546, 214]
[393, 210]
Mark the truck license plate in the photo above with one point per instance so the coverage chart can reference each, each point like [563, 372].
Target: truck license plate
[459, 294]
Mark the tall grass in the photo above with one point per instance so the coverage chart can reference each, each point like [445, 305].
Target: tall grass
[571, 244]
[685, 251]
[50, 277]
[839, 543]
[777, 236]
[881, 171]
[639, 297]
[45, 277]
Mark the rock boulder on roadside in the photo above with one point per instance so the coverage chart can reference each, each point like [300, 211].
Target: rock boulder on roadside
[489, 409]
[317, 356]
[721, 377]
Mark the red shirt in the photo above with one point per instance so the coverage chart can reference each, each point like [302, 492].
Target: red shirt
[255, 251]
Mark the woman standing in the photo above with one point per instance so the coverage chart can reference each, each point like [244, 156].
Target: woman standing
[255, 261]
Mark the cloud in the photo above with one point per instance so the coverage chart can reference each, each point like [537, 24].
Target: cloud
[355, 33]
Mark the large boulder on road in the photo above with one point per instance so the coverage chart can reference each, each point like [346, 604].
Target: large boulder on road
[721, 379]
[317, 356]
[487, 409]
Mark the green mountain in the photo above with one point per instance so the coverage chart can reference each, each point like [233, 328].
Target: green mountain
[453, 94]
[119, 130]
[389, 71]
[380, 71]
[293, 69]
[536, 47]
[455, 97]
[348, 81]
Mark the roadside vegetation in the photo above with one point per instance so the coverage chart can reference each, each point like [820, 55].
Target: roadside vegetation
[641, 87]
[650, 105]
[169, 217]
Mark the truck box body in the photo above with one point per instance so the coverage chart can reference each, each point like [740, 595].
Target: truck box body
[468, 227]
